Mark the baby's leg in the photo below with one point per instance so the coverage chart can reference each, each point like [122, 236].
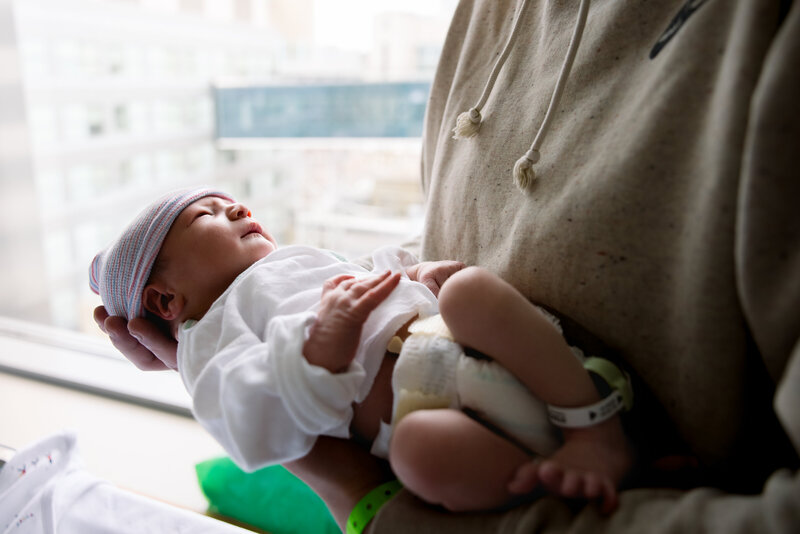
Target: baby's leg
[446, 458]
[488, 314]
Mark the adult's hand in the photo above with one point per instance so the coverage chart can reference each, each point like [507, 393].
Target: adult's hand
[140, 340]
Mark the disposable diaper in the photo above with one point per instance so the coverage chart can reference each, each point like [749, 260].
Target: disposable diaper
[433, 372]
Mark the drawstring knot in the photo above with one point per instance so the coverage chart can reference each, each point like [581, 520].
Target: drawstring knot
[467, 124]
[524, 174]
[523, 169]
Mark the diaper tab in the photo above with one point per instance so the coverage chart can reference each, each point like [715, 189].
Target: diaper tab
[431, 326]
[395, 345]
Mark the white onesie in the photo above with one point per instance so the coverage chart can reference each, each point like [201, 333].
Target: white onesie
[242, 363]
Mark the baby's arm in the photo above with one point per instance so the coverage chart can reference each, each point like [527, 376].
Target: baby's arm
[346, 303]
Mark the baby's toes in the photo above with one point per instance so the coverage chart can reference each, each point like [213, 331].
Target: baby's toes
[551, 476]
[593, 486]
[610, 497]
[572, 485]
[525, 479]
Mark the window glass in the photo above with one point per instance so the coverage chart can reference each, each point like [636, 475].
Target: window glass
[310, 111]
[44, 126]
[75, 123]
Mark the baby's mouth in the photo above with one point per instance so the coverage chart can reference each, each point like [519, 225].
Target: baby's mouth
[253, 228]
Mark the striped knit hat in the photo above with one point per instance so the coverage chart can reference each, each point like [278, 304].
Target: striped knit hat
[119, 273]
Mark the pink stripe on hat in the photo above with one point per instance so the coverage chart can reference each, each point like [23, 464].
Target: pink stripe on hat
[119, 273]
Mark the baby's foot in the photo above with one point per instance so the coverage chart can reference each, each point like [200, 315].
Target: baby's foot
[590, 465]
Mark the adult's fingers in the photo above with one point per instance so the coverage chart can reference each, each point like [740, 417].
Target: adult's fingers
[123, 341]
[150, 337]
[381, 289]
[363, 285]
[139, 340]
[335, 281]
[100, 315]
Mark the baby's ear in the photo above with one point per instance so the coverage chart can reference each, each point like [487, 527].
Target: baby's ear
[159, 299]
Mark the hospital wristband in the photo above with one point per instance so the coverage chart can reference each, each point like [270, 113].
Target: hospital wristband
[618, 380]
[369, 505]
[621, 398]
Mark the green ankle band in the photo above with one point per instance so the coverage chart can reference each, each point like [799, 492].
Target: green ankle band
[613, 376]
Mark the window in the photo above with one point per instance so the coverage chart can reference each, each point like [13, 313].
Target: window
[107, 119]
[121, 118]
[95, 121]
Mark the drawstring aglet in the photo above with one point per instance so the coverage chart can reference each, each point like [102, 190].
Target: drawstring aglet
[467, 124]
[524, 174]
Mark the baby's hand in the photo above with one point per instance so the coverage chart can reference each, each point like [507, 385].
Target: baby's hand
[345, 306]
[434, 273]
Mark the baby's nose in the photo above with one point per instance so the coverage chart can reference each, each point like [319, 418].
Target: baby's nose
[237, 210]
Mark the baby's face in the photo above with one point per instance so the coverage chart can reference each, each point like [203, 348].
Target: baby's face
[211, 242]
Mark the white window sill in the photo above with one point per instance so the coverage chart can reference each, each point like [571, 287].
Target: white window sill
[87, 364]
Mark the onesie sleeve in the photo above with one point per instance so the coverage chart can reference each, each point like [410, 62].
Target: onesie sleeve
[393, 258]
[265, 403]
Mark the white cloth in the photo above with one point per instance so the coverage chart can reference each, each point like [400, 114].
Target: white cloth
[242, 363]
[45, 490]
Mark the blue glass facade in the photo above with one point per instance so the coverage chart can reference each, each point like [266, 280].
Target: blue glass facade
[335, 110]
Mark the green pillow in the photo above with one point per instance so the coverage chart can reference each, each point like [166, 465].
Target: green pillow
[271, 499]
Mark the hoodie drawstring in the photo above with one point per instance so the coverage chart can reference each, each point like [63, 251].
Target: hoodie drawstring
[468, 123]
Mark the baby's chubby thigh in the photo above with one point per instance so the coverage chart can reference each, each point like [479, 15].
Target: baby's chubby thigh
[447, 458]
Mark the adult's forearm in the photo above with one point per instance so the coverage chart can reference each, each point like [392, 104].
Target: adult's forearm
[341, 472]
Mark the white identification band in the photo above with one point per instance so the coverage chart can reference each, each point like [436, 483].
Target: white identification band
[587, 415]
[621, 398]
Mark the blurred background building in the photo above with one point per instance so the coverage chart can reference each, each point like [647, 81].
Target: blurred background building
[105, 104]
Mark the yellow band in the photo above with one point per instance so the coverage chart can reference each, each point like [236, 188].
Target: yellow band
[615, 378]
[369, 505]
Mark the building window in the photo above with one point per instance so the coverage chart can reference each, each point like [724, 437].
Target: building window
[95, 121]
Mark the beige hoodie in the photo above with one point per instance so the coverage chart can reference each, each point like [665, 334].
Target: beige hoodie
[662, 223]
